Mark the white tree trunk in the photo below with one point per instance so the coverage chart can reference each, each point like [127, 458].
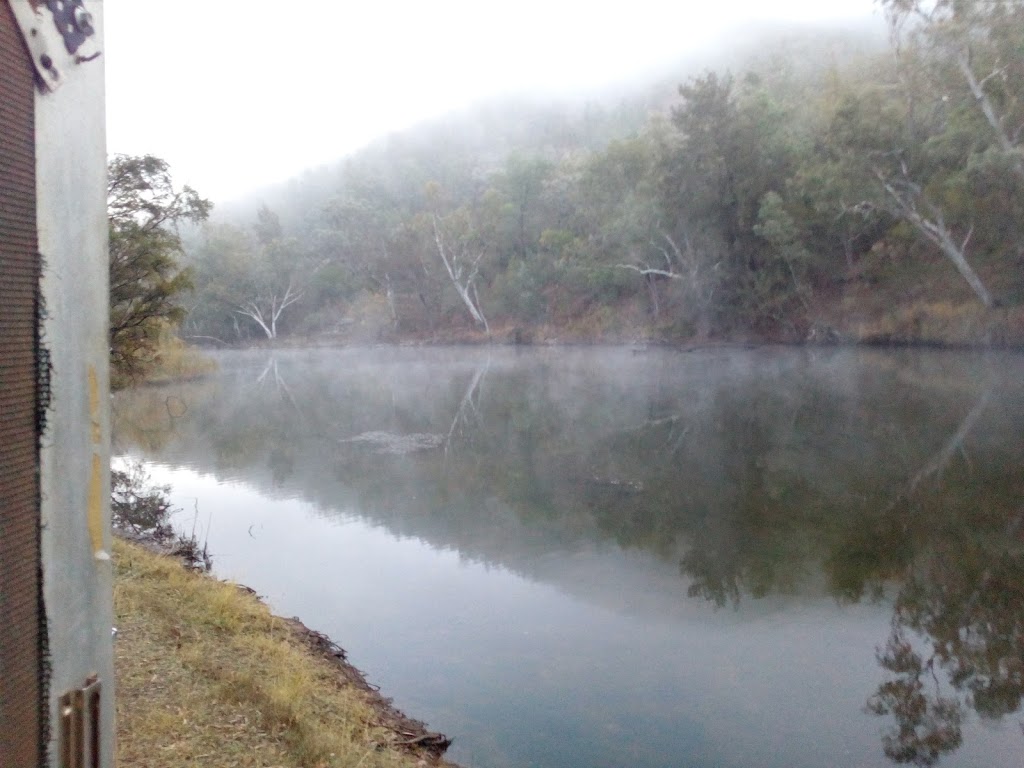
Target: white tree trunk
[988, 109]
[390, 294]
[254, 309]
[934, 228]
[465, 287]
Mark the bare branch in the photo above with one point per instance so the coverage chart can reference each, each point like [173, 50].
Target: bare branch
[675, 248]
[650, 271]
[466, 288]
[967, 239]
[444, 256]
[935, 230]
[963, 61]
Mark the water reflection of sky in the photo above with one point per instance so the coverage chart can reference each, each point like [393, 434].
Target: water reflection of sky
[570, 677]
[543, 619]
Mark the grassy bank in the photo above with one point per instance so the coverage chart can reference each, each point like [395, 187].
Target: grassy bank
[206, 675]
[177, 361]
[171, 360]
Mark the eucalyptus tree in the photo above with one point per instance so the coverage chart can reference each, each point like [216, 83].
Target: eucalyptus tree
[979, 42]
[359, 235]
[268, 289]
[250, 277]
[736, 142]
[461, 253]
[626, 229]
[954, 170]
[522, 182]
[146, 278]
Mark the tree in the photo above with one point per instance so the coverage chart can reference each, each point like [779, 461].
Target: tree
[958, 175]
[736, 143]
[461, 261]
[357, 234]
[272, 294]
[461, 252]
[146, 280]
[980, 40]
[522, 183]
[272, 283]
[253, 275]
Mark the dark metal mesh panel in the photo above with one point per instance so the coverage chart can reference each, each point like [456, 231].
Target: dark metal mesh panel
[22, 633]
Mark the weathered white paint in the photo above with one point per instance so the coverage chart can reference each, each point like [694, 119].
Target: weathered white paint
[77, 583]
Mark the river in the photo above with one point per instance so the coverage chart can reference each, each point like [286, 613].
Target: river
[628, 556]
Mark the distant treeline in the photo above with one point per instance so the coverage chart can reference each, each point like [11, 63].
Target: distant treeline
[831, 188]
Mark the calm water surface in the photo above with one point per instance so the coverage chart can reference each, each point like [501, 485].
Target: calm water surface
[587, 557]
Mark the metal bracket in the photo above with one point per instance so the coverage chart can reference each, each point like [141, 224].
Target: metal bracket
[59, 34]
[80, 726]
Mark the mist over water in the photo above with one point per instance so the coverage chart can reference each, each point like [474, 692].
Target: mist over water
[566, 557]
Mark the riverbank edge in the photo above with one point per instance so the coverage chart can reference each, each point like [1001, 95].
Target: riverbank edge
[407, 736]
[942, 326]
[636, 346]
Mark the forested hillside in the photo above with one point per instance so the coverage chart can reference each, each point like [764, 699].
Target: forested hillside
[828, 187]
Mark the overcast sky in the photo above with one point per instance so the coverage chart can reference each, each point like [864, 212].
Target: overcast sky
[238, 94]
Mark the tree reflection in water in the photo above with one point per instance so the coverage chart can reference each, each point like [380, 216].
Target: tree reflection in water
[964, 607]
[955, 555]
[895, 477]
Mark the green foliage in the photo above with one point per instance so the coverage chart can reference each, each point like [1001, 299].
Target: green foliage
[146, 279]
[137, 505]
[952, 163]
[734, 145]
[249, 278]
[522, 185]
[518, 293]
[744, 208]
[781, 281]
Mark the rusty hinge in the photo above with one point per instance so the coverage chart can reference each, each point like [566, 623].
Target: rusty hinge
[80, 726]
[58, 35]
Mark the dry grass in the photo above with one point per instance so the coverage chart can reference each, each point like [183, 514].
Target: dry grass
[206, 675]
[177, 361]
[944, 323]
[900, 295]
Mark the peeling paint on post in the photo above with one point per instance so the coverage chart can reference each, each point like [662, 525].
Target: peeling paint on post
[94, 406]
[96, 506]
